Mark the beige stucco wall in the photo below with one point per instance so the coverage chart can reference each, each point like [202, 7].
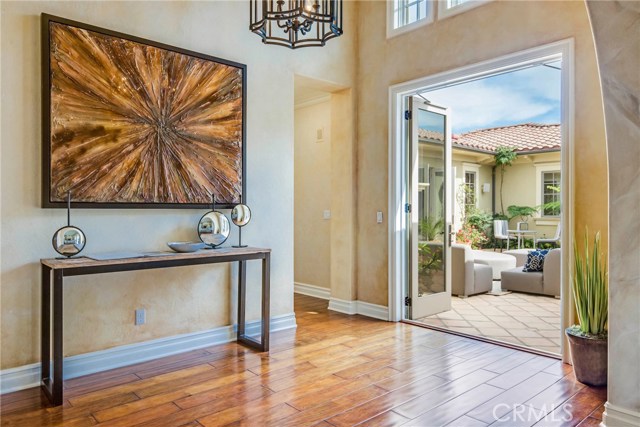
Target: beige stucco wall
[99, 312]
[466, 161]
[343, 194]
[494, 29]
[616, 27]
[312, 195]
[520, 189]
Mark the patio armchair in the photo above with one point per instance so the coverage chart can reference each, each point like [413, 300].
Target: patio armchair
[501, 232]
[467, 277]
[555, 240]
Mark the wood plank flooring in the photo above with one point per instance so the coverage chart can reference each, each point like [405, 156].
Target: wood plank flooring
[334, 370]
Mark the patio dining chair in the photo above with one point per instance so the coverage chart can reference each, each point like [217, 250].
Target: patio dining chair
[500, 232]
[555, 240]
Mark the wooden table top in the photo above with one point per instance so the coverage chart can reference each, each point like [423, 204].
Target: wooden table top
[78, 262]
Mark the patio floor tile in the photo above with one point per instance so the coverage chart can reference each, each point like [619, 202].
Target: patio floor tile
[524, 333]
[522, 319]
[457, 323]
[536, 341]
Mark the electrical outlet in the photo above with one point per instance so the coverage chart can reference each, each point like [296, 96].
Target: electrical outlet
[379, 217]
[140, 316]
[326, 214]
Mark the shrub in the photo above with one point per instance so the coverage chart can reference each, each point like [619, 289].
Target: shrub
[470, 235]
[481, 220]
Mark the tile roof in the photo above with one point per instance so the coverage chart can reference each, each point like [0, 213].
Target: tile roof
[430, 134]
[528, 137]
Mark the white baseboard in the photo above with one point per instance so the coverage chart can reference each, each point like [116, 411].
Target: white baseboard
[359, 307]
[28, 376]
[373, 310]
[615, 416]
[311, 290]
[343, 306]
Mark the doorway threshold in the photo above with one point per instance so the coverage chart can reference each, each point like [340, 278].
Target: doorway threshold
[487, 340]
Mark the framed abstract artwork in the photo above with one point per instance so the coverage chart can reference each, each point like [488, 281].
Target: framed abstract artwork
[131, 123]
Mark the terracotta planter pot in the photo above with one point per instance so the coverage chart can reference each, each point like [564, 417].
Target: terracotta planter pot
[589, 356]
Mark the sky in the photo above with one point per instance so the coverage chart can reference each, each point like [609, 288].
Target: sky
[531, 95]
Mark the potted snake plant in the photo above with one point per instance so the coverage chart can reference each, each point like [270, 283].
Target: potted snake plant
[588, 340]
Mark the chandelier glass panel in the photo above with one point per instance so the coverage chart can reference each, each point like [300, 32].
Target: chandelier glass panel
[296, 23]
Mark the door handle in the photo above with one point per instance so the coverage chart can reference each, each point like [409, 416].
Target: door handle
[452, 234]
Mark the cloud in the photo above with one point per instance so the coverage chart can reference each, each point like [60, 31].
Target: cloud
[530, 95]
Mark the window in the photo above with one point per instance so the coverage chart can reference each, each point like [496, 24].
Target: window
[407, 12]
[469, 191]
[551, 193]
[448, 8]
[454, 3]
[405, 15]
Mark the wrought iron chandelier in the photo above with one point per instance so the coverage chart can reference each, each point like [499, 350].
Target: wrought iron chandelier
[296, 23]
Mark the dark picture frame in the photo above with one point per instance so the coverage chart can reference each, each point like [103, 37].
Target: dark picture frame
[159, 128]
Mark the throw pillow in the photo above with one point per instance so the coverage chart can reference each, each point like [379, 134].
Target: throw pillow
[535, 261]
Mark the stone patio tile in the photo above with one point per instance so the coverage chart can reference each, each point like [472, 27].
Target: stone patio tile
[492, 312]
[527, 319]
[552, 334]
[516, 326]
[481, 324]
[456, 322]
[495, 332]
[539, 313]
[512, 307]
[470, 331]
[476, 317]
[512, 313]
[544, 326]
[511, 339]
[449, 315]
[432, 321]
[555, 349]
[522, 333]
[502, 318]
[535, 342]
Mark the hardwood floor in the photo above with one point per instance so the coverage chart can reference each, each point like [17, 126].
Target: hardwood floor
[334, 370]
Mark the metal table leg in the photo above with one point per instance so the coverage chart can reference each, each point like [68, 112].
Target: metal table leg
[45, 332]
[263, 345]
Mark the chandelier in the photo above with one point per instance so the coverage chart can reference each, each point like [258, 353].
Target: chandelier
[296, 23]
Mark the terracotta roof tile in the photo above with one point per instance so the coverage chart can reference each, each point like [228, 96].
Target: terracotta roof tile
[430, 134]
[528, 137]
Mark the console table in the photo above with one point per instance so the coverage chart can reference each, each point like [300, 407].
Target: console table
[51, 382]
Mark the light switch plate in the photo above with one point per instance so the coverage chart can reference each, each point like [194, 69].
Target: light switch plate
[326, 214]
[140, 316]
[379, 217]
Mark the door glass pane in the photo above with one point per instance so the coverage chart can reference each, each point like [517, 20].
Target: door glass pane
[431, 198]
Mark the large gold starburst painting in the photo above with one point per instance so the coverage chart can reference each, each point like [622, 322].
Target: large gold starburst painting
[134, 124]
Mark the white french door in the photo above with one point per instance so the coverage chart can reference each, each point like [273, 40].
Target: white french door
[429, 209]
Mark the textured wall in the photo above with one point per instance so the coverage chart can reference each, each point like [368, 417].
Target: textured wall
[312, 195]
[616, 28]
[494, 29]
[520, 188]
[100, 310]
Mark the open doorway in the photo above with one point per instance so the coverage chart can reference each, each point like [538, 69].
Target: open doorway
[501, 238]
[312, 189]
[324, 193]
